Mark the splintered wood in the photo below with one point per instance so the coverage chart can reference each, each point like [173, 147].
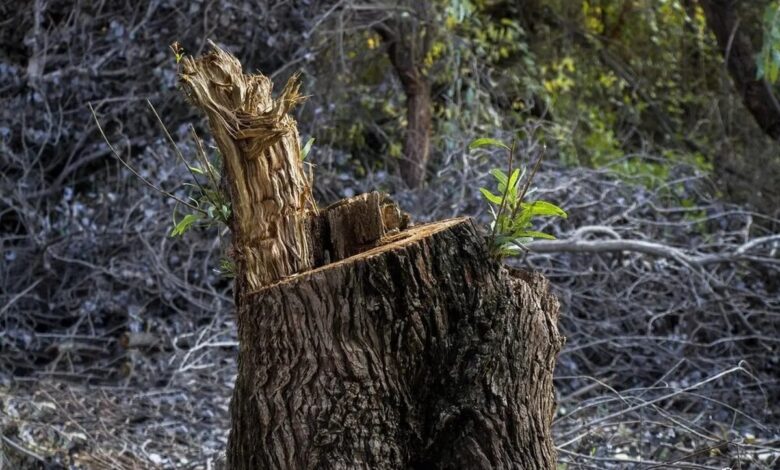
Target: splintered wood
[260, 148]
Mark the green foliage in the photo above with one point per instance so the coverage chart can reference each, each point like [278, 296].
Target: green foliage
[206, 203]
[307, 148]
[464, 38]
[180, 227]
[486, 142]
[512, 215]
[178, 51]
[227, 267]
[209, 206]
[606, 79]
[769, 57]
[630, 77]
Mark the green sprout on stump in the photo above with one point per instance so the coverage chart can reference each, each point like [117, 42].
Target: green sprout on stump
[512, 215]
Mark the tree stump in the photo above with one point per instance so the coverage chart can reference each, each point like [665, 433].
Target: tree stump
[389, 346]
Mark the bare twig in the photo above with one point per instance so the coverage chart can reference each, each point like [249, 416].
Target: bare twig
[138, 175]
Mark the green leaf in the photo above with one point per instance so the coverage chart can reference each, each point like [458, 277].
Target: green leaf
[495, 199]
[535, 234]
[196, 169]
[307, 148]
[521, 222]
[501, 178]
[504, 239]
[212, 195]
[487, 142]
[503, 224]
[227, 268]
[184, 224]
[509, 250]
[544, 208]
[514, 179]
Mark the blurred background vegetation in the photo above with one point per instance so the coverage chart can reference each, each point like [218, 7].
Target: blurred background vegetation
[637, 85]
[660, 120]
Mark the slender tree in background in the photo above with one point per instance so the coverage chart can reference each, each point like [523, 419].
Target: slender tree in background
[366, 342]
[408, 35]
[740, 55]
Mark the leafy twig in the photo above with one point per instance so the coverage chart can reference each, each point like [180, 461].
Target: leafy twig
[508, 233]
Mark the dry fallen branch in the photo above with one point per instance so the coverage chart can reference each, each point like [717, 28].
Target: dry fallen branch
[131, 340]
[576, 244]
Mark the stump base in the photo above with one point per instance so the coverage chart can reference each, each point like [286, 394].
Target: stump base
[420, 352]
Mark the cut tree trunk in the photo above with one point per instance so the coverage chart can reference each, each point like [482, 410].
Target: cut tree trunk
[391, 346]
[419, 353]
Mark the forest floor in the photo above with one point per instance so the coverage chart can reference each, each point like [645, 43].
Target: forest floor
[671, 359]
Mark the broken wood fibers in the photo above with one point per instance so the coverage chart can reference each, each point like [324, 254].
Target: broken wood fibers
[269, 191]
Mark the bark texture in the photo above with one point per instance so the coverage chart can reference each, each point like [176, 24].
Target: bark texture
[418, 353]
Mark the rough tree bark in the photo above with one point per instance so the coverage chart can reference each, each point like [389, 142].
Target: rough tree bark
[390, 345]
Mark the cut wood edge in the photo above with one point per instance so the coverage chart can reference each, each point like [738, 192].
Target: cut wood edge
[390, 242]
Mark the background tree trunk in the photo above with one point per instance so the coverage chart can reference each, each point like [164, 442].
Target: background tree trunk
[751, 178]
[417, 146]
[364, 342]
[739, 54]
[408, 43]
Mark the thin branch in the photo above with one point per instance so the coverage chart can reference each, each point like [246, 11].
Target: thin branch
[179, 154]
[134, 172]
[610, 416]
[22, 449]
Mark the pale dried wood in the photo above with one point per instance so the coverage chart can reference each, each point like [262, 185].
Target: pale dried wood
[258, 140]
